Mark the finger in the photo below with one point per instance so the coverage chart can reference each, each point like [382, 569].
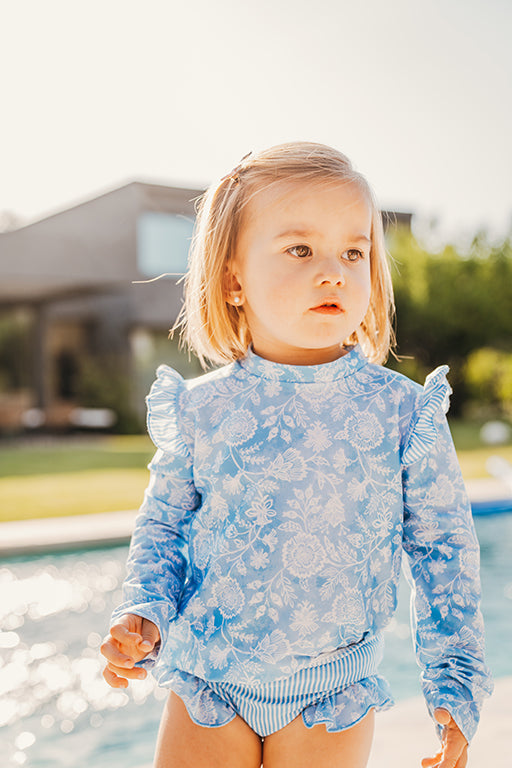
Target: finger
[150, 635]
[442, 716]
[455, 746]
[454, 757]
[146, 644]
[113, 654]
[123, 635]
[113, 680]
[449, 762]
[136, 673]
[430, 762]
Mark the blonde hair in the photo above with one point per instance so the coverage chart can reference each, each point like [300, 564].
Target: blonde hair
[217, 331]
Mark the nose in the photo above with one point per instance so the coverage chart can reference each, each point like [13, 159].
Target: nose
[330, 272]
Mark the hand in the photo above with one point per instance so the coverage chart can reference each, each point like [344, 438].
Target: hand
[454, 747]
[131, 638]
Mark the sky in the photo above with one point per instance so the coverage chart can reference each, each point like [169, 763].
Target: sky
[99, 93]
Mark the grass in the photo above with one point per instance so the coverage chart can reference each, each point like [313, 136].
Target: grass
[73, 477]
[62, 456]
[473, 454]
[473, 462]
[81, 476]
[71, 493]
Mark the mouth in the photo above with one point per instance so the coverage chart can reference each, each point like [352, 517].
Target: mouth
[328, 307]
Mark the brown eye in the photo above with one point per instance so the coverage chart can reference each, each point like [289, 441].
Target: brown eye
[301, 251]
[353, 254]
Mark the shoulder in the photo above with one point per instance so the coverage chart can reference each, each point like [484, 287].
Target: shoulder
[420, 408]
[398, 388]
[435, 387]
[212, 379]
[170, 384]
[171, 400]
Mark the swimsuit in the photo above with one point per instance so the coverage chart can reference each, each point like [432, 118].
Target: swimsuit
[337, 690]
[280, 503]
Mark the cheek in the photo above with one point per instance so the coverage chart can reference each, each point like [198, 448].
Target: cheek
[281, 294]
[276, 306]
[360, 292]
[271, 288]
[287, 299]
[364, 285]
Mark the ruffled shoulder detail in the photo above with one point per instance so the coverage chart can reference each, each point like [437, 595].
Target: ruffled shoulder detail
[435, 398]
[163, 404]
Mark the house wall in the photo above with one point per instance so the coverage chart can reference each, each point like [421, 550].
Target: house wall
[75, 272]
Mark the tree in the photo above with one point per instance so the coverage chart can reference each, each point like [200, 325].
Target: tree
[450, 304]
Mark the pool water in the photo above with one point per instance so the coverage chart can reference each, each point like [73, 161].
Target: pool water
[55, 708]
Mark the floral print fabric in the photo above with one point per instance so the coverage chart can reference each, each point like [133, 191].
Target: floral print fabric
[280, 502]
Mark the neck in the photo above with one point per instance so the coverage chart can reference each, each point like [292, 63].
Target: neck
[300, 356]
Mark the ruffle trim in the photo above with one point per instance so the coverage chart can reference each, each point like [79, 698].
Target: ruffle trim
[344, 709]
[163, 407]
[435, 399]
[337, 711]
[204, 707]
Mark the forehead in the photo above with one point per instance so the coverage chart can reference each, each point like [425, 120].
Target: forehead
[314, 205]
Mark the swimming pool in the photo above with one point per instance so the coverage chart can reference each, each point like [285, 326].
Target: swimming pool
[55, 708]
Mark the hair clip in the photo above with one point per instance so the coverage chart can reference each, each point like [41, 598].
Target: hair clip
[234, 175]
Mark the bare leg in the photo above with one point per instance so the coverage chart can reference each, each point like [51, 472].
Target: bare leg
[296, 746]
[182, 743]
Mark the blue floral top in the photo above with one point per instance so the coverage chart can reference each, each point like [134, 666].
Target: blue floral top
[280, 503]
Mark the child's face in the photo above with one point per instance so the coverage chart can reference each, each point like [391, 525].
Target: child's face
[305, 293]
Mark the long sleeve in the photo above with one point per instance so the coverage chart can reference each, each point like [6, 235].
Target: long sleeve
[443, 556]
[157, 563]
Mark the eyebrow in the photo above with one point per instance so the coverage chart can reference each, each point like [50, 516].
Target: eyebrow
[307, 232]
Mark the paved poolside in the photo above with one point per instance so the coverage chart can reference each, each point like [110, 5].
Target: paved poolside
[405, 734]
[53, 534]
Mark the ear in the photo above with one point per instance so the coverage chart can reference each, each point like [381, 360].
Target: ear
[231, 285]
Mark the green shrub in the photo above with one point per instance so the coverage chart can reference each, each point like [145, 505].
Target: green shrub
[104, 383]
[488, 375]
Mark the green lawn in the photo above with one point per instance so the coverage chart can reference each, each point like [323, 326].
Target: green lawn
[102, 474]
[71, 493]
[472, 453]
[74, 455]
[73, 477]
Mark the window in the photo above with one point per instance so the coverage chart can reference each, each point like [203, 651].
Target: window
[163, 242]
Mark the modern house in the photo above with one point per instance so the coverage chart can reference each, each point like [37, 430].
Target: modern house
[78, 324]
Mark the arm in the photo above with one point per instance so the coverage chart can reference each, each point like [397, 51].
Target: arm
[157, 560]
[443, 555]
[157, 564]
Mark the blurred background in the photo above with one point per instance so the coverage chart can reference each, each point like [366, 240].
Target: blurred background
[116, 116]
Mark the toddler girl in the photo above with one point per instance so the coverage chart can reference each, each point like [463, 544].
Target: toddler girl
[286, 486]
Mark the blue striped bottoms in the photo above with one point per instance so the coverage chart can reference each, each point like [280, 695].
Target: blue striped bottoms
[337, 689]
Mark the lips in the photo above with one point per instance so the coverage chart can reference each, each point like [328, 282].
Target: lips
[328, 307]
